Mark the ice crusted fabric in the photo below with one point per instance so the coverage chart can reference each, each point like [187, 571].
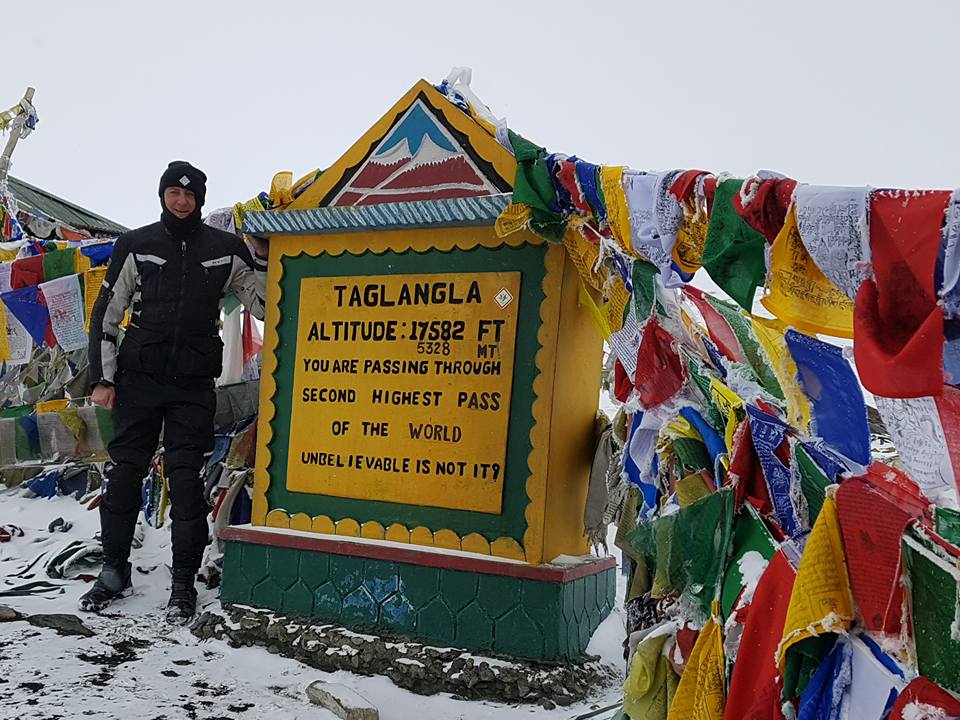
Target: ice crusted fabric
[951, 258]
[839, 413]
[898, 325]
[834, 227]
[641, 190]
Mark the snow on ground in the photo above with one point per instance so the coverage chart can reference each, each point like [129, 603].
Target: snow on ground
[139, 667]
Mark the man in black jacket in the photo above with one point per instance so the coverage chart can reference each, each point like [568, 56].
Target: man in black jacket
[171, 277]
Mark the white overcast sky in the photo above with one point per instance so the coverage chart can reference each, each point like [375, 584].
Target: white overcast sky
[827, 92]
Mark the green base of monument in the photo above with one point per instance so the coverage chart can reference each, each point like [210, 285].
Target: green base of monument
[467, 601]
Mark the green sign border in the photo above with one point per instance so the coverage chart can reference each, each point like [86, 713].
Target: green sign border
[529, 260]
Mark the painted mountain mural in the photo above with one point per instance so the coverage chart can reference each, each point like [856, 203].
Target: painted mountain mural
[419, 159]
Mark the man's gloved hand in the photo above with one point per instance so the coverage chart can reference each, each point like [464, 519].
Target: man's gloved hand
[260, 246]
[104, 395]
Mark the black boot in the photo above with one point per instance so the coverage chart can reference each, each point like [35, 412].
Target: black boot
[182, 605]
[112, 583]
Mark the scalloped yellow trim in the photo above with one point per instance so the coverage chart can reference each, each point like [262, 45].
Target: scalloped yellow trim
[372, 530]
[466, 238]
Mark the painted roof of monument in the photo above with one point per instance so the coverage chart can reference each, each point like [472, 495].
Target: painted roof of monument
[423, 150]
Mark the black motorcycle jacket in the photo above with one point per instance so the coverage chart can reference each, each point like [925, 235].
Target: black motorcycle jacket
[173, 287]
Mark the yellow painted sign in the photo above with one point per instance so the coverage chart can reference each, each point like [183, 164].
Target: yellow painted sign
[402, 388]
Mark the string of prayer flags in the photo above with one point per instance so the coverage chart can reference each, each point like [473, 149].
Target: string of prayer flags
[838, 410]
[734, 251]
[749, 344]
[799, 293]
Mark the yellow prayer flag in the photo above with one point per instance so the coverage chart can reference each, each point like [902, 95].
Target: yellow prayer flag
[513, 218]
[770, 335]
[48, 406]
[730, 405]
[4, 342]
[691, 238]
[92, 282]
[584, 256]
[618, 214]
[586, 301]
[701, 694]
[70, 417]
[651, 684]
[692, 488]
[821, 601]
[616, 304]
[281, 189]
[8, 255]
[800, 294]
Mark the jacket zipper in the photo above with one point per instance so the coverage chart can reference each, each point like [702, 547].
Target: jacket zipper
[175, 350]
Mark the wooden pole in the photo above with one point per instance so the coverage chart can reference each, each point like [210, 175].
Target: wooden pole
[16, 126]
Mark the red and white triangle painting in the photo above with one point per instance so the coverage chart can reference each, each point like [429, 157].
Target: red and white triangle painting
[419, 159]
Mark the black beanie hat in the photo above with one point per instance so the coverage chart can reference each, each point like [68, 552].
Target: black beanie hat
[182, 174]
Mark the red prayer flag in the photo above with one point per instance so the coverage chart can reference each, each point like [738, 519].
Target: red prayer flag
[685, 184]
[755, 685]
[720, 331]
[924, 690]
[622, 383]
[897, 324]
[872, 524]
[660, 371]
[26, 271]
[763, 204]
[948, 406]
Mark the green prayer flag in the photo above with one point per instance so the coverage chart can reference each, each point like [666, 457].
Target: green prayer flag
[18, 411]
[948, 524]
[645, 289]
[533, 186]
[933, 603]
[749, 535]
[688, 549]
[733, 254]
[813, 482]
[230, 302]
[692, 455]
[58, 263]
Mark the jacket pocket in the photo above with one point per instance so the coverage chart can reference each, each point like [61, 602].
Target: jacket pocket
[200, 356]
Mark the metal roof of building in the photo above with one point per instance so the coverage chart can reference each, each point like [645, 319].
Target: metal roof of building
[450, 212]
[30, 197]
